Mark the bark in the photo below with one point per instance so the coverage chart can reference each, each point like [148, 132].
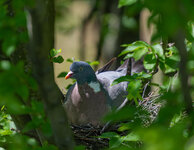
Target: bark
[145, 31]
[180, 38]
[40, 20]
[20, 121]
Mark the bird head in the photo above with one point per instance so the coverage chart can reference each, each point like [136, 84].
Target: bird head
[81, 71]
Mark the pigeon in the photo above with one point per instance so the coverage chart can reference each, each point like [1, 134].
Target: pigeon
[93, 95]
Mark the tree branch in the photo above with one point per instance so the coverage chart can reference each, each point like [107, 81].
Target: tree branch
[180, 38]
[40, 21]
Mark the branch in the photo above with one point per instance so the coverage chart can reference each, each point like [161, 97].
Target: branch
[180, 38]
[40, 21]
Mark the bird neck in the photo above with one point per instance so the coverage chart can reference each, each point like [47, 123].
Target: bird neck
[87, 80]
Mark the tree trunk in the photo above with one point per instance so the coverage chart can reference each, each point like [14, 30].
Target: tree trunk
[40, 20]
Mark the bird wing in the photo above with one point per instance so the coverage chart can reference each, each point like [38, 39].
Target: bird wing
[117, 92]
[68, 94]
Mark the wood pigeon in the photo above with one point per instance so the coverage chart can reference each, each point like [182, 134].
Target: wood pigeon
[92, 96]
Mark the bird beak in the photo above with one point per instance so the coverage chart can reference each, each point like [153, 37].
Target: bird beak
[70, 73]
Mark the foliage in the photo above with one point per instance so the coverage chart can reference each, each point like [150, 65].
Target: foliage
[54, 58]
[171, 123]
[172, 128]
[6, 125]
[17, 87]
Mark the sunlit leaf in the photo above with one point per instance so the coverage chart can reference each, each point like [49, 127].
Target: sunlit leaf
[5, 65]
[176, 119]
[54, 52]
[129, 55]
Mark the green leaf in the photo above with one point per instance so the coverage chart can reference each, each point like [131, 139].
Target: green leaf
[62, 74]
[172, 51]
[149, 61]
[162, 65]
[130, 48]
[126, 2]
[14, 106]
[68, 86]
[158, 50]
[125, 126]
[176, 119]
[142, 43]
[128, 56]
[5, 65]
[138, 45]
[69, 60]
[5, 132]
[9, 45]
[122, 79]
[23, 91]
[58, 59]
[54, 52]
[143, 75]
[115, 142]
[131, 137]
[93, 63]
[134, 90]
[115, 139]
[109, 135]
[141, 51]
[126, 113]
[171, 65]
[10, 50]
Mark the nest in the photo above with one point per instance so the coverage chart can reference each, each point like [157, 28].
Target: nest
[88, 135]
[152, 108]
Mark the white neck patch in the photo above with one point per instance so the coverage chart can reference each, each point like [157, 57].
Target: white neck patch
[95, 86]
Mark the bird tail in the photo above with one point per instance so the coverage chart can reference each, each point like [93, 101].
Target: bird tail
[107, 66]
[130, 66]
[137, 66]
[125, 68]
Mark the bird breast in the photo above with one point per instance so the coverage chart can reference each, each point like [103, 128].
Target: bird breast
[87, 104]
